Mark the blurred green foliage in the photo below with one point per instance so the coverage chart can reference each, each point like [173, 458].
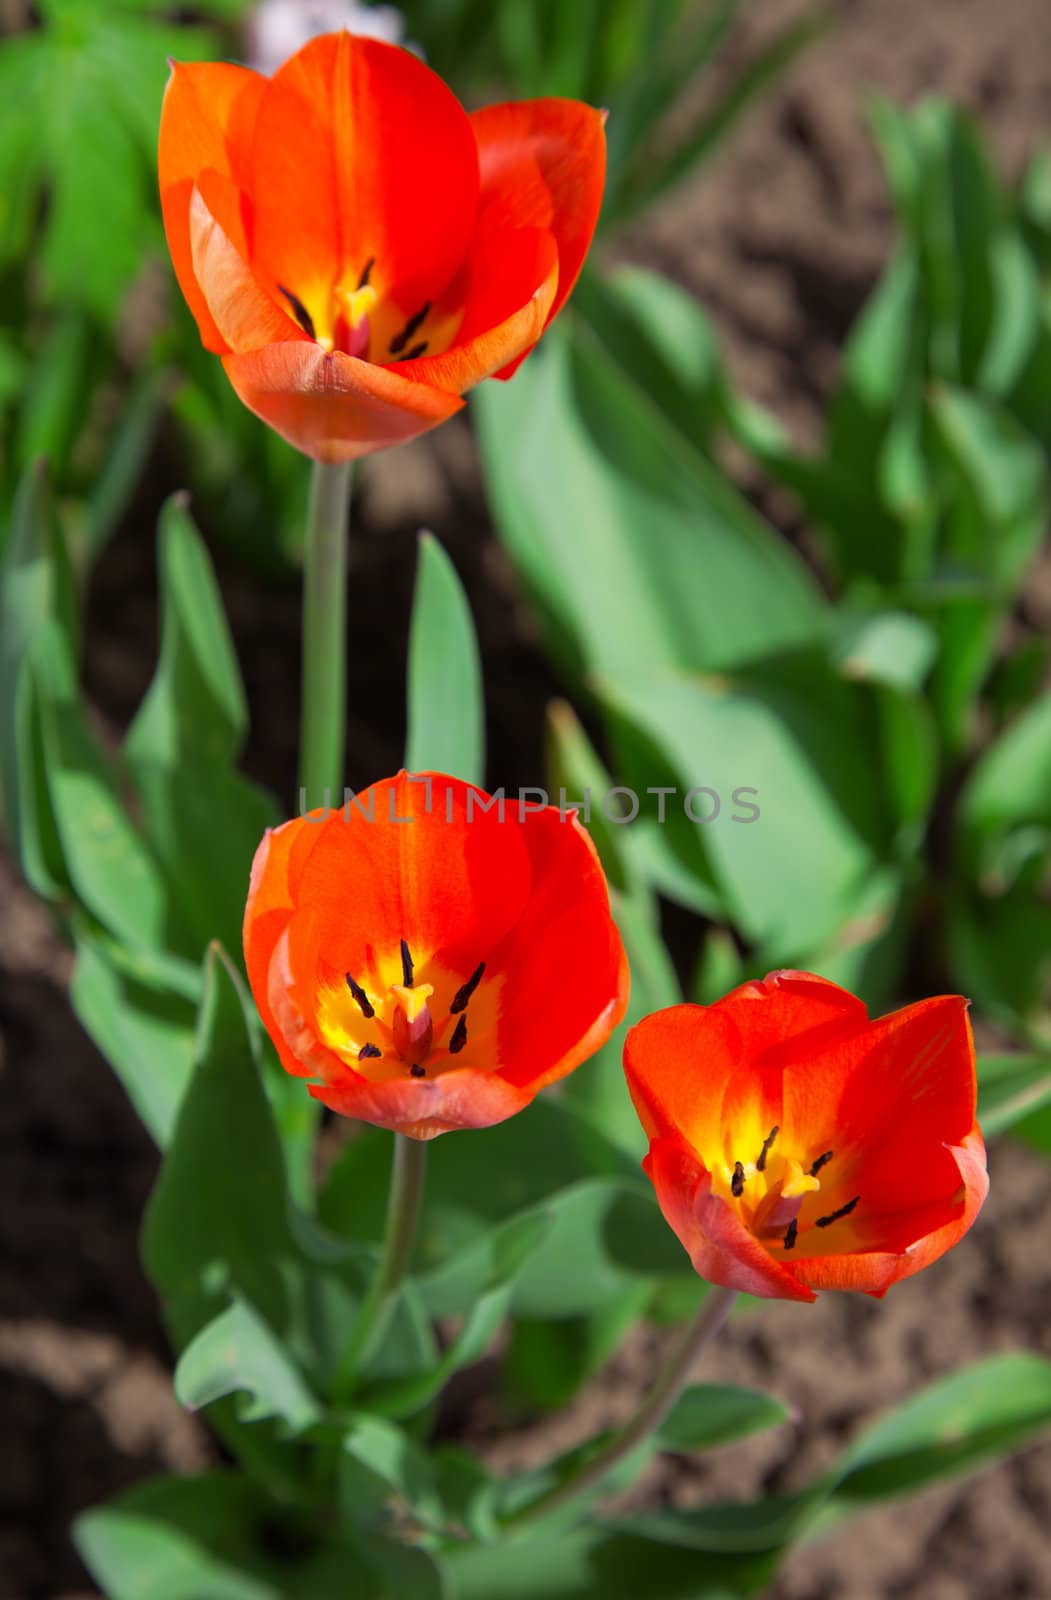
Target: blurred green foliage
[98, 355]
[894, 729]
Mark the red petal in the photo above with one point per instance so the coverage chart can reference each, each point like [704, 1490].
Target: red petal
[452, 887]
[513, 281]
[268, 911]
[720, 1247]
[206, 123]
[567, 973]
[246, 317]
[873, 1272]
[361, 152]
[543, 165]
[425, 1107]
[891, 1099]
[331, 406]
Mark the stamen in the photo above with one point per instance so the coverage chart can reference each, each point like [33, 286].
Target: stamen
[369, 1052]
[368, 1010]
[791, 1234]
[406, 965]
[760, 1165]
[417, 1070]
[366, 272]
[844, 1211]
[299, 311]
[417, 351]
[463, 994]
[737, 1181]
[400, 340]
[822, 1161]
[459, 1038]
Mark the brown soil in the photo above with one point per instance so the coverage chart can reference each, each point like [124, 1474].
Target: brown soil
[781, 239]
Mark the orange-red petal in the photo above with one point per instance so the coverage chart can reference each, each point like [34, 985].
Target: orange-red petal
[720, 1247]
[245, 316]
[567, 974]
[463, 881]
[543, 165]
[892, 1101]
[207, 121]
[331, 406]
[361, 153]
[512, 287]
[874, 1271]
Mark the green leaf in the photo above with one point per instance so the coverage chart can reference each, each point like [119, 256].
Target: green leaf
[576, 776]
[600, 1090]
[145, 1032]
[792, 735]
[550, 1359]
[511, 1248]
[953, 1426]
[599, 1561]
[613, 520]
[203, 820]
[956, 1425]
[237, 1353]
[472, 1184]
[209, 1209]
[62, 373]
[378, 1462]
[1008, 790]
[217, 1537]
[706, 1415]
[661, 339]
[446, 707]
[888, 647]
[36, 586]
[607, 1235]
[126, 458]
[999, 509]
[1010, 1088]
[109, 867]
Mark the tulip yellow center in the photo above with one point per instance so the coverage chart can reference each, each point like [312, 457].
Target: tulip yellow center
[357, 316]
[776, 1193]
[385, 1026]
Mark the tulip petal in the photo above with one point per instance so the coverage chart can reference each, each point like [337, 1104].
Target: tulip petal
[513, 283]
[331, 406]
[454, 883]
[892, 1098]
[207, 120]
[873, 1272]
[246, 317]
[720, 1247]
[543, 165]
[567, 974]
[422, 1108]
[361, 154]
[716, 1073]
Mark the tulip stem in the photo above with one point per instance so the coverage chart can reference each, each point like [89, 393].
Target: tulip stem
[324, 663]
[702, 1330]
[408, 1170]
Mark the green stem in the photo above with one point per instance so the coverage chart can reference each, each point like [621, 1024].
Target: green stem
[324, 670]
[711, 1314]
[403, 1209]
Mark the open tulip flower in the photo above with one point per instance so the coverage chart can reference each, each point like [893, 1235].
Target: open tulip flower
[358, 249]
[431, 964]
[795, 1145]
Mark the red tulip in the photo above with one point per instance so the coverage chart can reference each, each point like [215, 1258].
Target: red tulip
[360, 250]
[429, 963]
[795, 1145]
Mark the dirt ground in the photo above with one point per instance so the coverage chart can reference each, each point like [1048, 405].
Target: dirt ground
[781, 238]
